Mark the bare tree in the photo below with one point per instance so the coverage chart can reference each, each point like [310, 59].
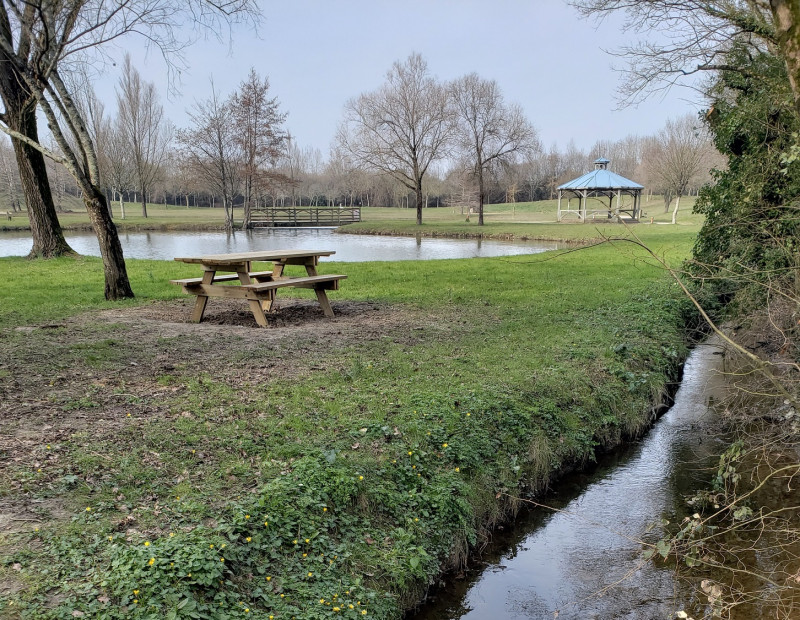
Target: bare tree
[682, 150]
[260, 136]
[401, 128]
[489, 132]
[700, 34]
[54, 37]
[141, 125]
[212, 149]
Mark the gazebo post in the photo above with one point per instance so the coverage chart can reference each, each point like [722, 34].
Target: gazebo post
[559, 204]
[584, 200]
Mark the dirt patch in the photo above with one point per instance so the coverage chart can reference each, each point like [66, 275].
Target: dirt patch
[89, 374]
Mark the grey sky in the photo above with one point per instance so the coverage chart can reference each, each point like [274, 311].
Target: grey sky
[319, 53]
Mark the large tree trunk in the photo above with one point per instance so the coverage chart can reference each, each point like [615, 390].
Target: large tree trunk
[786, 14]
[48, 238]
[117, 285]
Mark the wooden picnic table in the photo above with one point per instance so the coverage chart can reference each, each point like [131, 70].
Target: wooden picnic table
[257, 287]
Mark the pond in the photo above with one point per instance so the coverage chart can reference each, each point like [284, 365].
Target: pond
[349, 248]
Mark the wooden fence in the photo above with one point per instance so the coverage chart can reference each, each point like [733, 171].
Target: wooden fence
[299, 217]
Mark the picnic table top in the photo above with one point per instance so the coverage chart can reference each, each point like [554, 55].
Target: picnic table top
[263, 255]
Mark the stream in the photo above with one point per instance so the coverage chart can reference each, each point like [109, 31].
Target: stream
[580, 558]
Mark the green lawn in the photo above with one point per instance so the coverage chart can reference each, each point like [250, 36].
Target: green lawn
[167, 469]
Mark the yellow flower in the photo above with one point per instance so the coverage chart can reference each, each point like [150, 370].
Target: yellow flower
[458, 469]
[469, 414]
[310, 574]
[171, 534]
[247, 610]
[410, 452]
[135, 601]
[321, 601]
[248, 539]
[222, 559]
[210, 546]
[308, 540]
[363, 612]
[325, 509]
[222, 546]
[444, 445]
[88, 509]
[305, 554]
[247, 516]
[351, 606]
[48, 446]
[282, 595]
[110, 538]
[294, 542]
[269, 578]
[266, 523]
[189, 575]
[152, 561]
[361, 477]
[335, 609]
[146, 543]
[136, 592]
[177, 497]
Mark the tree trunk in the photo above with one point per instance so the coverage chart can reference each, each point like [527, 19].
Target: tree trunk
[144, 202]
[675, 212]
[418, 192]
[117, 285]
[786, 14]
[48, 238]
[481, 196]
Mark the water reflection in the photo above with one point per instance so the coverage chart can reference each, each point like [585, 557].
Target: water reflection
[582, 560]
[348, 248]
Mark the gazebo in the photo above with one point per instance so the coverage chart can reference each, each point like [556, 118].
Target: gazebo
[600, 184]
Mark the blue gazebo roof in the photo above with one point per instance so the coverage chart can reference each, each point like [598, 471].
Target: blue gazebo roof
[601, 179]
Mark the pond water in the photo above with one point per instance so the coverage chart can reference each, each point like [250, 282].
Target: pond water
[349, 248]
[580, 559]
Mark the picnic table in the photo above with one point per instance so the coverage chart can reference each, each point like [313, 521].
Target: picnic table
[257, 287]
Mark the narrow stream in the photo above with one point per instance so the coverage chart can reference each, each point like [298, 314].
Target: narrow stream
[580, 557]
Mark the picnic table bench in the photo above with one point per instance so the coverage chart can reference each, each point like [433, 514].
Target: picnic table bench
[257, 287]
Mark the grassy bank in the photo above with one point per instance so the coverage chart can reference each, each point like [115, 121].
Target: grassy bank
[326, 469]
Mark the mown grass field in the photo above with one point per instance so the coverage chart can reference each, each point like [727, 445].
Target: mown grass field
[174, 217]
[324, 469]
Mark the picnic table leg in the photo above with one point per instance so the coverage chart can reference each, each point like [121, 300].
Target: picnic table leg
[322, 298]
[202, 300]
[255, 304]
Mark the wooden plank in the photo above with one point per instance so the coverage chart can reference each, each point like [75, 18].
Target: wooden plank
[330, 282]
[235, 259]
[256, 275]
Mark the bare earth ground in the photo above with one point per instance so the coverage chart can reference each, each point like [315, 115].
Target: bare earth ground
[88, 373]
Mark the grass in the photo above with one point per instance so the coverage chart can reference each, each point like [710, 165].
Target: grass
[497, 216]
[221, 476]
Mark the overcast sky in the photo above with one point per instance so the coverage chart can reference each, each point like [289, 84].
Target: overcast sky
[319, 53]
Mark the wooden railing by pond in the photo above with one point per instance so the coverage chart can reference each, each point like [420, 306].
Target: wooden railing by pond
[304, 216]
